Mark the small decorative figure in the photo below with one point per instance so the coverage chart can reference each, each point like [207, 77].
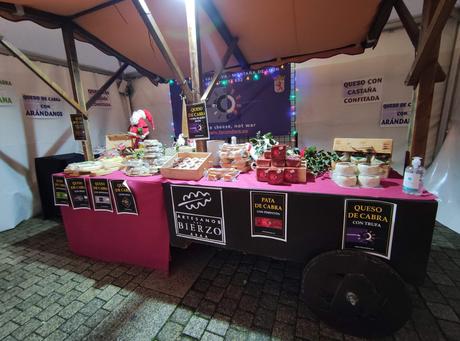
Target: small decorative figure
[139, 128]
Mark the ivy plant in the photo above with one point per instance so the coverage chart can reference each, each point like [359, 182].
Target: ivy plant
[318, 161]
[261, 143]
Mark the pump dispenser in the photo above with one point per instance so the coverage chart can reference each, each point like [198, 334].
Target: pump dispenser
[413, 177]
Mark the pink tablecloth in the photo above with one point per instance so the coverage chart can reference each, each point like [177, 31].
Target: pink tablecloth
[141, 240]
[390, 188]
[144, 239]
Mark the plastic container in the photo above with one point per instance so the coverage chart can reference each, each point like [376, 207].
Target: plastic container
[413, 177]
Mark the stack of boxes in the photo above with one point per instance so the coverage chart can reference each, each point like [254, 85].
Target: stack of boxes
[277, 168]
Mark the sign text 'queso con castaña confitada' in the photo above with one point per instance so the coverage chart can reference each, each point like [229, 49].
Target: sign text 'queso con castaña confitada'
[365, 90]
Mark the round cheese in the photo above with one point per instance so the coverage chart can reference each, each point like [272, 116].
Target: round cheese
[365, 169]
[369, 181]
[345, 169]
[345, 181]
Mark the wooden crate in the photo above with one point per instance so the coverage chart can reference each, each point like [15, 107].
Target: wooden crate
[186, 174]
[354, 145]
[113, 140]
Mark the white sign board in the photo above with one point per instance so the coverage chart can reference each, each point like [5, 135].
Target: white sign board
[7, 93]
[43, 106]
[364, 90]
[102, 101]
[395, 114]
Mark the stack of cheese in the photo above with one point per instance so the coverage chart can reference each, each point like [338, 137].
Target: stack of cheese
[235, 156]
[95, 168]
[348, 174]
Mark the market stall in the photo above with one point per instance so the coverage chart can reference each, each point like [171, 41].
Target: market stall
[358, 212]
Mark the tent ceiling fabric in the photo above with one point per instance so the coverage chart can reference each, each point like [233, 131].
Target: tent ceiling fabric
[269, 31]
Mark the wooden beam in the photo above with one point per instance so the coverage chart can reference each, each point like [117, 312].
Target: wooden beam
[429, 40]
[162, 45]
[413, 32]
[194, 48]
[224, 31]
[420, 123]
[35, 69]
[106, 85]
[77, 86]
[380, 20]
[219, 71]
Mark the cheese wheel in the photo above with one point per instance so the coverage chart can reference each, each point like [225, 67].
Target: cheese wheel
[345, 181]
[345, 169]
[365, 169]
[369, 181]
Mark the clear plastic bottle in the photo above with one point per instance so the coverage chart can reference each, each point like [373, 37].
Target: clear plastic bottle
[413, 177]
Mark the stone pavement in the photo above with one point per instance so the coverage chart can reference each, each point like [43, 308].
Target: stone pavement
[48, 293]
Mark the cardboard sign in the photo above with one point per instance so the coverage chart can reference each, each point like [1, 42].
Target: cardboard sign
[198, 213]
[7, 93]
[269, 215]
[100, 192]
[78, 127]
[78, 193]
[43, 107]
[60, 194]
[368, 226]
[124, 199]
[364, 90]
[197, 121]
[395, 114]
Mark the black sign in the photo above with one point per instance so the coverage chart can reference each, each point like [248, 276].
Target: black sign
[197, 121]
[78, 193]
[269, 215]
[61, 197]
[124, 199]
[198, 213]
[78, 127]
[101, 195]
[368, 226]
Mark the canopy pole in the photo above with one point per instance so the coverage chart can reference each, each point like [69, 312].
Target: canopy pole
[214, 15]
[413, 32]
[218, 72]
[194, 48]
[40, 74]
[77, 86]
[106, 85]
[162, 45]
[420, 122]
[430, 39]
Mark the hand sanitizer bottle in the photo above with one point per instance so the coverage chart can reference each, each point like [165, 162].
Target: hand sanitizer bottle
[413, 177]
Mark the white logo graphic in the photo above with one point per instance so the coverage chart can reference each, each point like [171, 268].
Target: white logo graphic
[195, 200]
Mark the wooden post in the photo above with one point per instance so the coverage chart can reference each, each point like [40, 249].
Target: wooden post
[105, 86]
[77, 87]
[424, 93]
[195, 58]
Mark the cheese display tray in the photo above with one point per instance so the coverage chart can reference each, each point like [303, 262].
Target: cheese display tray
[176, 167]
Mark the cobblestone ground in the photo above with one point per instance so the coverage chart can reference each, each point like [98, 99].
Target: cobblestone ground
[46, 292]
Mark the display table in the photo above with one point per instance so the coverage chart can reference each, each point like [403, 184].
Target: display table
[315, 219]
[313, 222]
[141, 240]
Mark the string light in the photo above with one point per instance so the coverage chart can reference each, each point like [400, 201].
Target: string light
[171, 81]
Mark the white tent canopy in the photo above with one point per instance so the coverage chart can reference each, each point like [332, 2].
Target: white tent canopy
[269, 31]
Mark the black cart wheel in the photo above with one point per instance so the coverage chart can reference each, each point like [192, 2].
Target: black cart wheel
[356, 293]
